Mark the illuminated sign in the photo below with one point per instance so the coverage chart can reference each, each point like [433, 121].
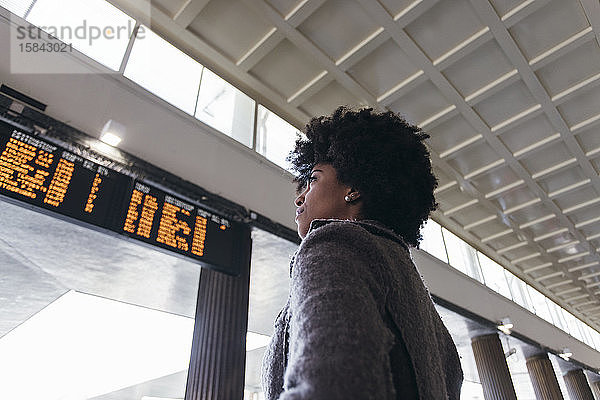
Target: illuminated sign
[48, 176]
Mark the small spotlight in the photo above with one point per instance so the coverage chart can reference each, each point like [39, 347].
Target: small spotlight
[510, 352]
[505, 326]
[111, 133]
[565, 354]
[110, 138]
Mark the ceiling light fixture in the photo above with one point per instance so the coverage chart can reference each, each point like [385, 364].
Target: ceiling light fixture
[112, 133]
[505, 326]
[565, 354]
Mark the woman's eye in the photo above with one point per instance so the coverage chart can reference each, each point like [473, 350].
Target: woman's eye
[312, 179]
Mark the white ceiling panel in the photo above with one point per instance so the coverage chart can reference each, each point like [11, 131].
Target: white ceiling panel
[328, 27]
[506, 104]
[498, 182]
[471, 214]
[443, 27]
[475, 160]
[230, 26]
[581, 108]
[551, 160]
[452, 199]
[285, 7]
[384, 68]
[170, 7]
[564, 181]
[543, 229]
[451, 134]
[328, 99]
[529, 214]
[579, 199]
[571, 69]
[478, 69]
[420, 103]
[549, 26]
[502, 7]
[286, 69]
[488, 229]
[531, 135]
[589, 140]
[396, 7]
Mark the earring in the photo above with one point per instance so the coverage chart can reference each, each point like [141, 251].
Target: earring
[348, 198]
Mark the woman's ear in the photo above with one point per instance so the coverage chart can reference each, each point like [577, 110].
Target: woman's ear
[352, 195]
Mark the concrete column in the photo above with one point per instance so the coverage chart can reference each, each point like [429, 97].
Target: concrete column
[543, 378]
[577, 385]
[492, 368]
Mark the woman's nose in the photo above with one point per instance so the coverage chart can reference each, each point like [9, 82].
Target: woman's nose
[299, 200]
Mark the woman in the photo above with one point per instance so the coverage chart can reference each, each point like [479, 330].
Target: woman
[359, 323]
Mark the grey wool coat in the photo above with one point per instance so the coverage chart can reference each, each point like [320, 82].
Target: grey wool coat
[359, 323]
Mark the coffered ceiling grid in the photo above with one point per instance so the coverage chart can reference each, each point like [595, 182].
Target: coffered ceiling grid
[514, 141]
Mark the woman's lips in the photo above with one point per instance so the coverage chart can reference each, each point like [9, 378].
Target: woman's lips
[298, 212]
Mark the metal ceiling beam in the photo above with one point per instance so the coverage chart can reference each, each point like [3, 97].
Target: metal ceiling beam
[295, 17]
[302, 42]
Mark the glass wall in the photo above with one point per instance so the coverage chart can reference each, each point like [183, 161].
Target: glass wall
[269, 288]
[274, 137]
[225, 108]
[94, 27]
[469, 261]
[90, 315]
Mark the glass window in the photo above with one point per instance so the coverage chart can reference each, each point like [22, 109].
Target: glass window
[269, 289]
[557, 318]
[572, 323]
[164, 70]
[274, 137]
[518, 289]
[94, 27]
[596, 338]
[461, 256]
[540, 304]
[586, 333]
[493, 275]
[225, 108]
[433, 241]
[103, 316]
[17, 7]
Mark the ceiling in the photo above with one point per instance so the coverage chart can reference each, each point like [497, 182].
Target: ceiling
[508, 90]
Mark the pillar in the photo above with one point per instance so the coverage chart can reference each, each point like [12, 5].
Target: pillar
[492, 368]
[219, 343]
[577, 385]
[543, 378]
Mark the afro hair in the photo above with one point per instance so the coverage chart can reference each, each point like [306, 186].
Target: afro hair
[380, 155]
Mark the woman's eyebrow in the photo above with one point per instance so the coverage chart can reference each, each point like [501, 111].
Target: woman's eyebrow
[316, 170]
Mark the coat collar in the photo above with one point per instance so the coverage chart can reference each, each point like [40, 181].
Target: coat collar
[370, 225]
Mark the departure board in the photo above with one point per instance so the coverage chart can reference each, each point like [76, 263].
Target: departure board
[47, 176]
[163, 220]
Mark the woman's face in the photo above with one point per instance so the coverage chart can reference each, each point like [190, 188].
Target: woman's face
[323, 197]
